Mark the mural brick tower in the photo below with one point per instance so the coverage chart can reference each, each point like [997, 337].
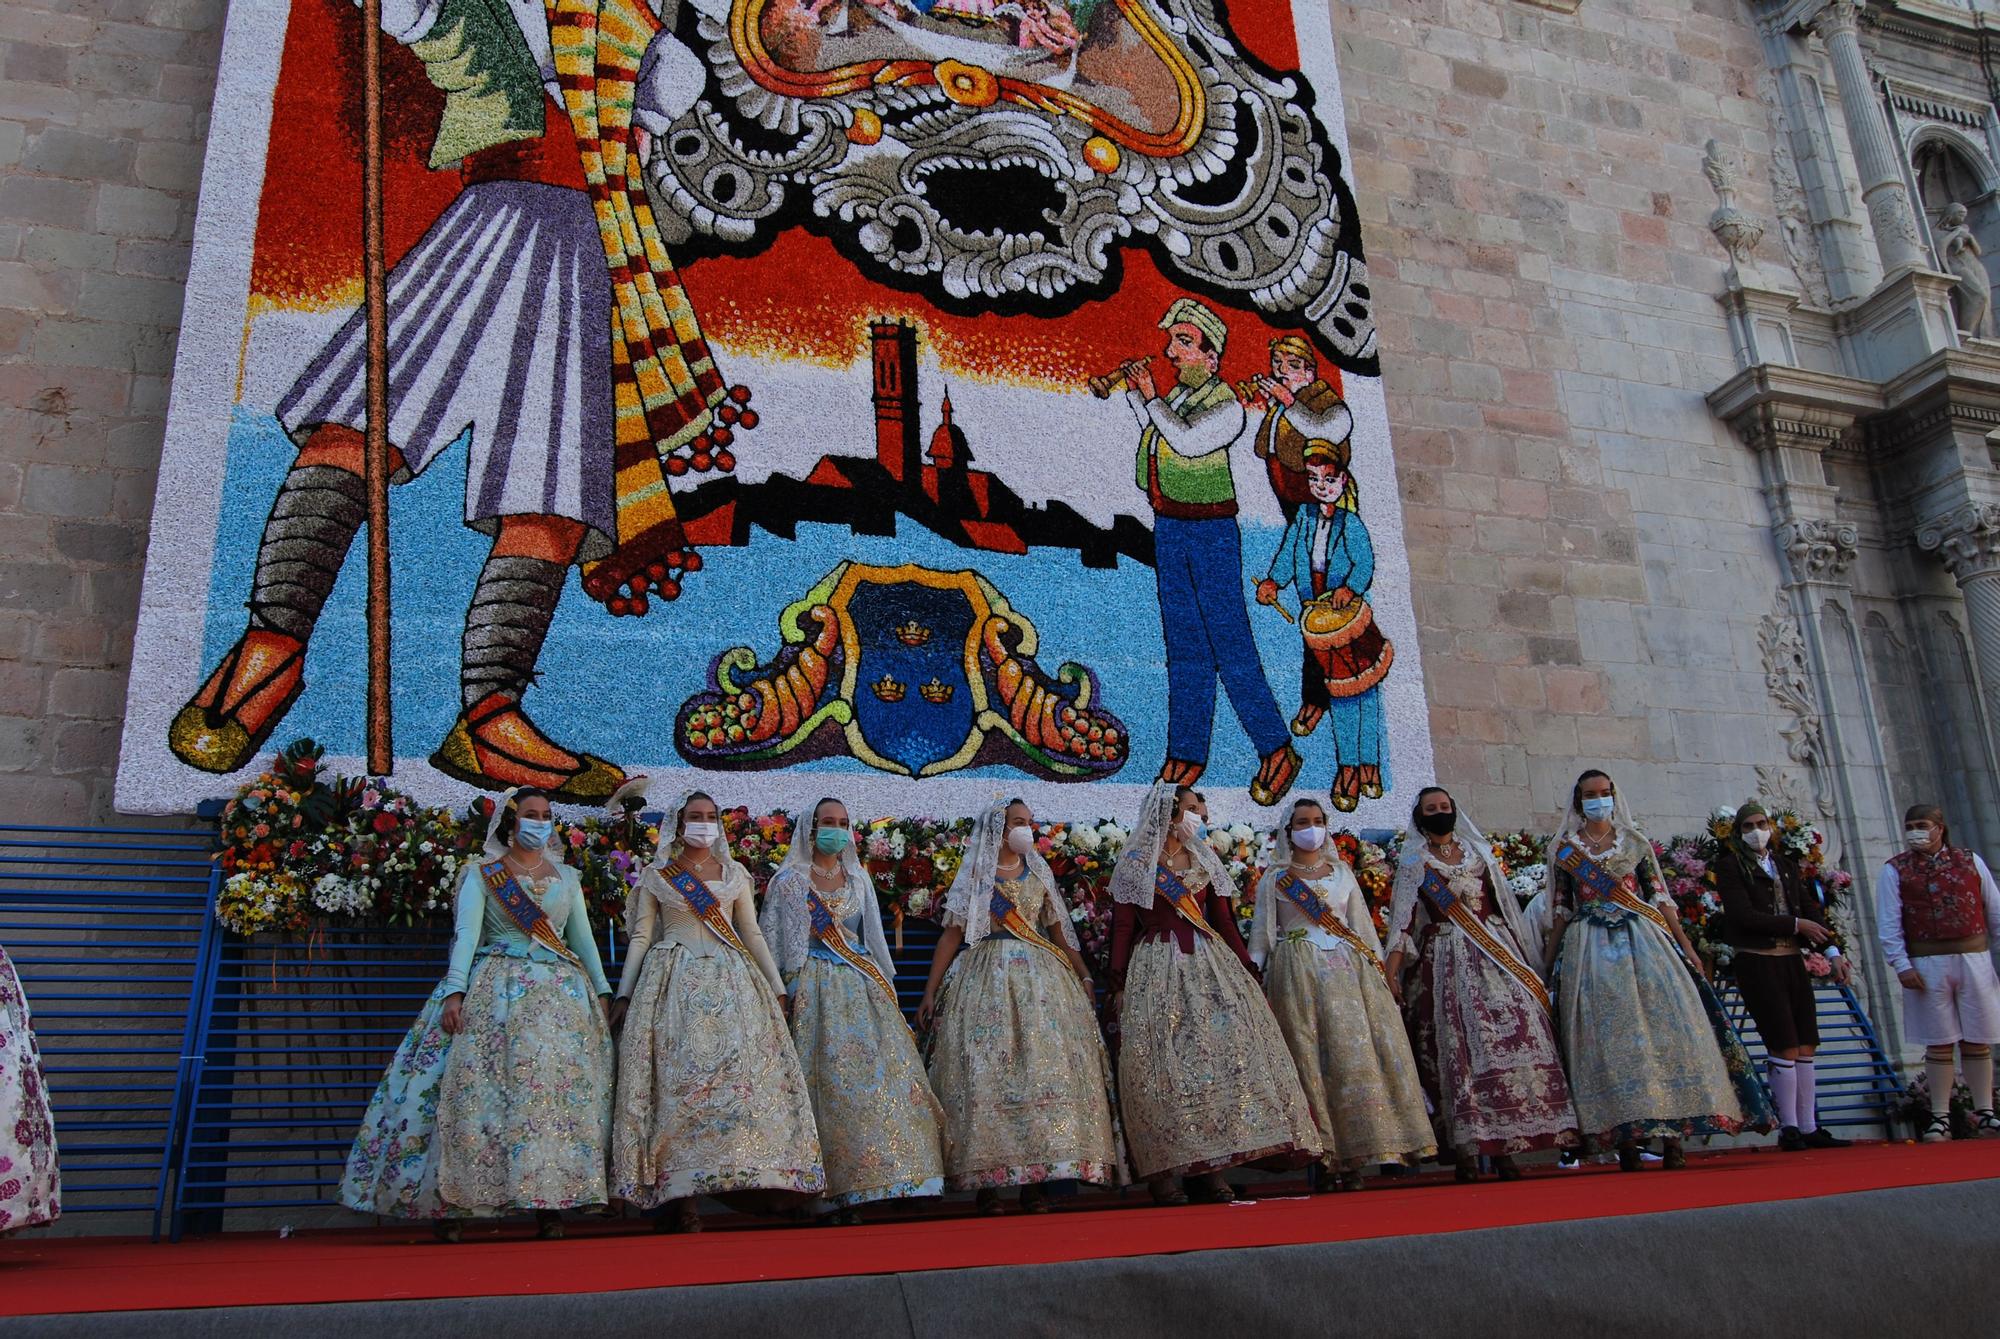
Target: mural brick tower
[896, 411]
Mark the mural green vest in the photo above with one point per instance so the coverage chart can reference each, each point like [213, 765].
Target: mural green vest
[1200, 481]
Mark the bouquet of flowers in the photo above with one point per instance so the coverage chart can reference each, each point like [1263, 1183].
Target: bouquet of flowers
[758, 843]
[1082, 856]
[608, 855]
[913, 861]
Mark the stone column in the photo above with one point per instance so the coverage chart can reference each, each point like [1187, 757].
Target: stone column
[1875, 157]
[1967, 540]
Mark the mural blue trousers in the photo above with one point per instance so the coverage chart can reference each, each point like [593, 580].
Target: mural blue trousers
[1206, 620]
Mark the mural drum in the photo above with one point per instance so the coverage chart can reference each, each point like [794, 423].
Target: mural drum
[905, 399]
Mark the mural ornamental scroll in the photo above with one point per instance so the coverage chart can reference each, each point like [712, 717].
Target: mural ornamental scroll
[929, 397]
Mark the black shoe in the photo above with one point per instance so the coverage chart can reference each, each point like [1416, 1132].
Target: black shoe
[1628, 1157]
[1791, 1141]
[1825, 1138]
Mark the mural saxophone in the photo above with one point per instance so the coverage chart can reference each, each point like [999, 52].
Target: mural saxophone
[680, 289]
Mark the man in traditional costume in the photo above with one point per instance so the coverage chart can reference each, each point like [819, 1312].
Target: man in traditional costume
[1772, 919]
[540, 314]
[1935, 908]
[1300, 411]
[1183, 466]
[1327, 557]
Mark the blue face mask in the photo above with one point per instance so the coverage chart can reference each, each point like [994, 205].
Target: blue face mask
[534, 833]
[1598, 808]
[832, 841]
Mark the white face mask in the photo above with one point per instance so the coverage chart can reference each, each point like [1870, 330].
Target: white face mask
[701, 835]
[1191, 827]
[1309, 839]
[1021, 840]
[1757, 838]
[1919, 839]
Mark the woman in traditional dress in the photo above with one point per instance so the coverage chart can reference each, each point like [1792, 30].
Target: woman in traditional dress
[1478, 1012]
[1936, 906]
[1647, 1048]
[878, 1122]
[1771, 918]
[30, 1178]
[499, 1099]
[1312, 934]
[1016, 1056]
[711, 1100]
[1204, 1080]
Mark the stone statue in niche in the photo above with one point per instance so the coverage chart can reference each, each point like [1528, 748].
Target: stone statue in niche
[1960, 251]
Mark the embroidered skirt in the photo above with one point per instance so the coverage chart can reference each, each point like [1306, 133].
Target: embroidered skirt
[1352, 1052]
[710, 1095]
[30, 1179]
[1204, 1079]
[1645, 1055]
[878, 1123]
[511, 1114]
[1019, 1065]
[1486, 1052]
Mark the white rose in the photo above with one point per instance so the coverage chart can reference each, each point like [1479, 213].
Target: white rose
[1085, 839]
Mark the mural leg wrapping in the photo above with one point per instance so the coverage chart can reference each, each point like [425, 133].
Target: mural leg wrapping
[318, 511]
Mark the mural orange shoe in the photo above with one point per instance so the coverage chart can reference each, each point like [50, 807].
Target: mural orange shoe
[1307, 720]
[494, 745]
[1371, 783]
[222, 726]
[1347, 789]
[1276, 775]
[1181, 773]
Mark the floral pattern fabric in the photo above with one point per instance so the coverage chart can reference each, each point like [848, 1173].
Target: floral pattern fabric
[1020, 1067]
[1646, 1046]
[513, 1113]
[1352, 1052]
[30, 1177]
[878, 1122]
[1204, 1079]
[1485, 1048]
[711, 1098]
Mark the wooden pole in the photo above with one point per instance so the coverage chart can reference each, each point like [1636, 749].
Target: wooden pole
[375, 475]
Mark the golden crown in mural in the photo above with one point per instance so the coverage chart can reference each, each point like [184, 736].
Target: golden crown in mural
[912, 633]
[936, 691]
[888, 689]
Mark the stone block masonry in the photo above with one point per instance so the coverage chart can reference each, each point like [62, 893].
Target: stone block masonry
[103, 118]
[1534, 210]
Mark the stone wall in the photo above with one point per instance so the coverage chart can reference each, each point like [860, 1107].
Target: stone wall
[1590, 548]
[103, 115]
[1591, 553]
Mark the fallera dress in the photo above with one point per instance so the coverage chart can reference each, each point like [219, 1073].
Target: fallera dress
[1018, 1062]
[1647, 1048]
[30, 1179]
[1345, 1032]
[711, 1099]
[1204, 1079]
[1483, 1038]
[871, 1100]
[513, 1113]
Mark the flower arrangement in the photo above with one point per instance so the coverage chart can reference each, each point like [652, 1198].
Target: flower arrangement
[298, 847]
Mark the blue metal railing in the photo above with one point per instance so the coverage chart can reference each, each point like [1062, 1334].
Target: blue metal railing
[1854, 1081]
[110, 931]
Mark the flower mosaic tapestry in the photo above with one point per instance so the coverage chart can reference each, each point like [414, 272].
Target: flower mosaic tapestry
[791, 396]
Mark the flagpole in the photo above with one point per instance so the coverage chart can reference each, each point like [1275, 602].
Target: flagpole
[375, 473]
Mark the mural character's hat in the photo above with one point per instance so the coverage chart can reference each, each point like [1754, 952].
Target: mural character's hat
[1200, 317]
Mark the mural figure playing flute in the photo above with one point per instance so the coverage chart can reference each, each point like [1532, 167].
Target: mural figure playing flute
[1183, 466]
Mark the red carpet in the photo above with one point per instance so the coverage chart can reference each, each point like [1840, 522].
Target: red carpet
[370, 1264]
